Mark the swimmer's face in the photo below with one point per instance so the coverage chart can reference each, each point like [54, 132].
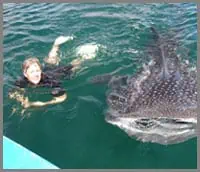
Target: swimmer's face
[33, 73]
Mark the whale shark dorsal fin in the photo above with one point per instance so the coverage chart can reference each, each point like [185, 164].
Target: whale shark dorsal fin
[161, 57]
[156, 35]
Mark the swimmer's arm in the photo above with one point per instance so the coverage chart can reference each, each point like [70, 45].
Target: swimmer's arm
[55, 100]
[19, 96]
[53, 58]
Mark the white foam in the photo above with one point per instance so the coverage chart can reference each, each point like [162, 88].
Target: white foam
[87, 51]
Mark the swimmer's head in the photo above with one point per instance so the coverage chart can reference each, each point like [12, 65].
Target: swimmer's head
[32, 70]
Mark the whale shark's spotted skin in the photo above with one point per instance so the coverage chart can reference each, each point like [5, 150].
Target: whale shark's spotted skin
[158, 104]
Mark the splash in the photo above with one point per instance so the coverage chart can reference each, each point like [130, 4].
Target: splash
[88, 51]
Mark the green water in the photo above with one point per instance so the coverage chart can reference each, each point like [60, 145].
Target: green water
[74, 134]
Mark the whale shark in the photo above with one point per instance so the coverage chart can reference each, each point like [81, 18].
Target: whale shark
[158, 103]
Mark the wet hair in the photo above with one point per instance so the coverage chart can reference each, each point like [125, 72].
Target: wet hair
[26, 64]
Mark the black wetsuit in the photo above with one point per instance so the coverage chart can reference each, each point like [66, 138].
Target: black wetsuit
[51, 78]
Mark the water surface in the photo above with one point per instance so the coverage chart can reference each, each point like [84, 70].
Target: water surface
[74, 134]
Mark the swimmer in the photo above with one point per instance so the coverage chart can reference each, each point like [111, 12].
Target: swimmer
[35, 76]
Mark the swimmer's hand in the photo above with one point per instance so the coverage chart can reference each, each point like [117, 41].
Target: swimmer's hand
[59, 99]
[17, 95]
[62, 39]
[20, 98]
